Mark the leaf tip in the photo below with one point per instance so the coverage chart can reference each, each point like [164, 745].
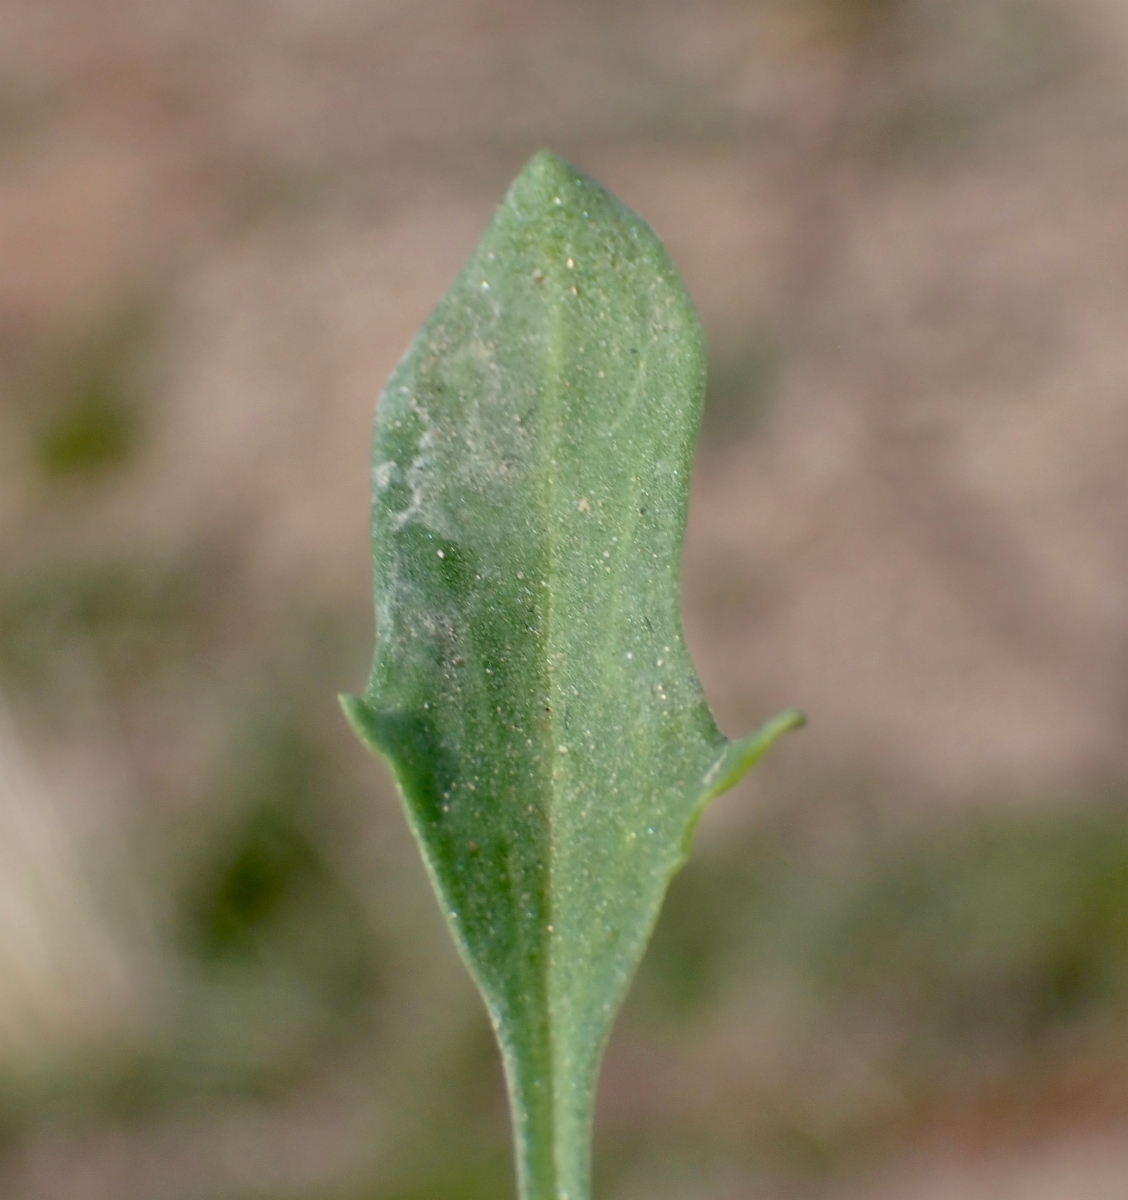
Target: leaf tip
[547, 184]
[548, 166]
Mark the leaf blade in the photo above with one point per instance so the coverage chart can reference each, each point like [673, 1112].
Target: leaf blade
[531, 688]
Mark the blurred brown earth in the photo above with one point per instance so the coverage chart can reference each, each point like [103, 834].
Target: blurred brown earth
[905, 223]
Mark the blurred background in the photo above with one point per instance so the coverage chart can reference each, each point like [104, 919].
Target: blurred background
[897, 964]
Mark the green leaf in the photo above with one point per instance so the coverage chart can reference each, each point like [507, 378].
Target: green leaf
[532, 690]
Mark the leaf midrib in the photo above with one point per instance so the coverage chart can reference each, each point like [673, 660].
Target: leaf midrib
[552, 412]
